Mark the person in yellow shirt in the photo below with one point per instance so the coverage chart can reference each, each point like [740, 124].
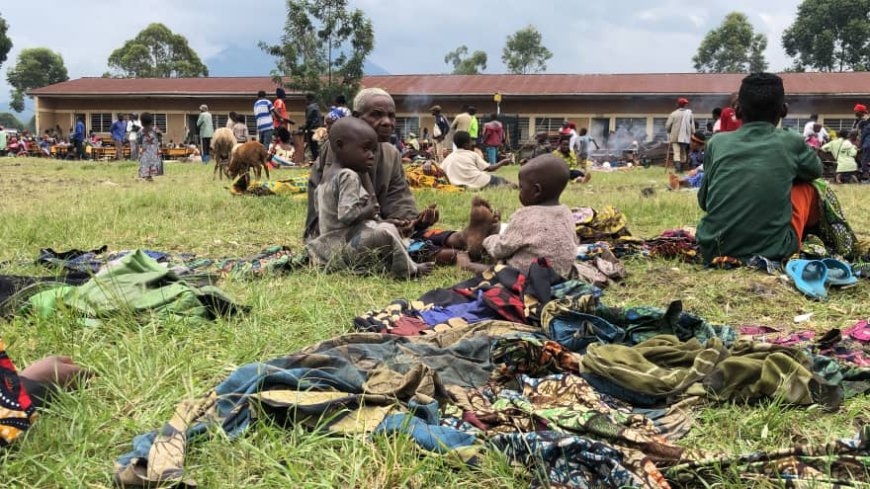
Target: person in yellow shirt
[579, 170]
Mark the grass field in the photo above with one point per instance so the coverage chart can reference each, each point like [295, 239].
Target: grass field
[144, 370]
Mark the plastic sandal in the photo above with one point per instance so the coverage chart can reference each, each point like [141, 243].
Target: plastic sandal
[809, 277]
[839, 273]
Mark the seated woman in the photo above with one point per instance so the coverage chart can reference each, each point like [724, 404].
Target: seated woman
[757, 190]
[844, 151]
[467, 168]
[695, 176]
[579, 171]
[282, 149]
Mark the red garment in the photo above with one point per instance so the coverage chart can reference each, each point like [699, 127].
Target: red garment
[493, 133]
[729, 121]
[805, 208]
[281, 108]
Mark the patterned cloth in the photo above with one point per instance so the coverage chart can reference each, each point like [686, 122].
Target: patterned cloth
[287, 186]
[428, 175]
[17, 411]
[150, 164]
[607, 223]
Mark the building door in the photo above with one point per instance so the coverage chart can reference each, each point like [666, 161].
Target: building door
[600, 130]
[191, 134]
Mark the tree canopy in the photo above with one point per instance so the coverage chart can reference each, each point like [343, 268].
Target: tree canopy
[323, 48]
[733, 47]
[830, 35]
[463, 64]
[156, 52]
[5, 42]
[523, 52]
[8, 120]
[35, 67]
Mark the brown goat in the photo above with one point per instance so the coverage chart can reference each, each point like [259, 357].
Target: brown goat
[247, 156]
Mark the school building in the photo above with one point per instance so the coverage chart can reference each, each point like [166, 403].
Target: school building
[639, 103]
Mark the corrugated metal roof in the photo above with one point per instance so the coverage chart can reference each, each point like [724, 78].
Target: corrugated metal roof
[446, 85]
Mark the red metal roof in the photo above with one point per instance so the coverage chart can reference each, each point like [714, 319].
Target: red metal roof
[446, 85]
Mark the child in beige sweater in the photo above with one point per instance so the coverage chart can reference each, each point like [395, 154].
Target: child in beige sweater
[542, 228]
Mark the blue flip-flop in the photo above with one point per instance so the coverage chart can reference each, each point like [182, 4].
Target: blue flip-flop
[839, 273]
[809, 277]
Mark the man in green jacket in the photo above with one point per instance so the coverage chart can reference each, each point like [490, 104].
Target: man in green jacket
[205, 126]
[756, 189]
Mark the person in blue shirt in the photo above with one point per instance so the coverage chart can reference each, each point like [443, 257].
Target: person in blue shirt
[78, 138]
[263, 110]
[119, 132]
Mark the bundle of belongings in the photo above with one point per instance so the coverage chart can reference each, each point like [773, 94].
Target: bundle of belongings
[428, 175]
[580, 394]
[271, 260]
[243, 184]
[134, 284]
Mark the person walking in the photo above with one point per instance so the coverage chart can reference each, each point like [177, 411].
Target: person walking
[263, 113]
[680, 126]
[77, 138]
[119, 133]
[313, 120]
[493, 136]
[205, 125]
[133, 128]
[439, 132]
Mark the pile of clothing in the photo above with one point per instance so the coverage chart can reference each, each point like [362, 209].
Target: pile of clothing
[429, 176]
[581, 394]
[285, 186]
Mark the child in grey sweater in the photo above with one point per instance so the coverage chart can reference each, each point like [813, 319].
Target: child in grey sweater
[542, 228]
[351, 232]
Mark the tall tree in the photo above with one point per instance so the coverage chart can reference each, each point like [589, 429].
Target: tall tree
[830, 35]
[733, 47]
[5, 42]
[463, 64]
[523, 52]
[156, 52]
[9, 121]
[35, 67]
[323, 48]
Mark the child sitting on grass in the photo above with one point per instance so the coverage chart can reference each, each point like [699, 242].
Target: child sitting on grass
[351, 232]
[579, 170]
[695, 176]
[543, 228]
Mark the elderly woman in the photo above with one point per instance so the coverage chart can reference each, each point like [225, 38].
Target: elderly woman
[205, 127]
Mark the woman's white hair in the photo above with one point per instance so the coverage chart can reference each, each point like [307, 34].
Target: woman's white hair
[361, 101]
[203, 108]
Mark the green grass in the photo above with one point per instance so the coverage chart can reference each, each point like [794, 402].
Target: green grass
[144, 370]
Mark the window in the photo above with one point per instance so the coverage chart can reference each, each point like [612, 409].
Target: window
[547, 124]
[794, 123]
[408, 124]
[523, 126]
[701, 123]
[633, 126]
[101, 122]
[659, 131]
[160, 122]
[220, 120]
[838, 124]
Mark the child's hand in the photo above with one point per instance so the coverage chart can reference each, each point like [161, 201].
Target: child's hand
[370, 209]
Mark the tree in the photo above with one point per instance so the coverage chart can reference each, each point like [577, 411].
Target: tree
[323, 48]
[156, 52]
[5, 42]
[733, 47]
[523, 52]
[830, 35]
[464, 64]
[36, 67]
[9, 121]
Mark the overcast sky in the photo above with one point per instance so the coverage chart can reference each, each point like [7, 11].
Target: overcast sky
[411, 36]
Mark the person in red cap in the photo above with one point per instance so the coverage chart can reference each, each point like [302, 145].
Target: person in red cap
[680, 126]
[863, 129]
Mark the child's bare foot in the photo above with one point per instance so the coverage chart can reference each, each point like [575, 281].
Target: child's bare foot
[424, 269]
[427, 218]
[480, 224]
[674, 181]
[463, 260]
